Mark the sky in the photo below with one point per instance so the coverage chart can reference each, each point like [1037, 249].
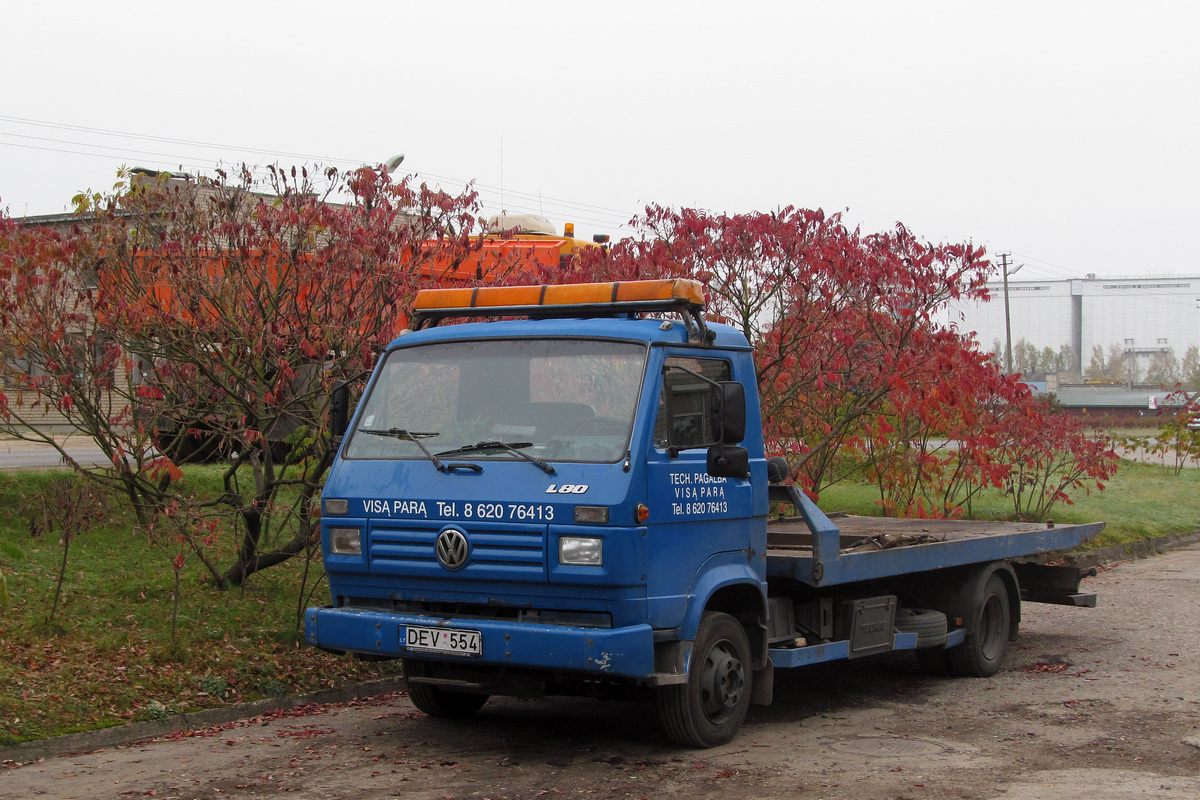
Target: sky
[1064, 133]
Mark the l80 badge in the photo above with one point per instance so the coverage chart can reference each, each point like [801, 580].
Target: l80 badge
[567, 488]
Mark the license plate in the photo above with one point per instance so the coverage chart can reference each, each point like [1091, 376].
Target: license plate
[453, 641]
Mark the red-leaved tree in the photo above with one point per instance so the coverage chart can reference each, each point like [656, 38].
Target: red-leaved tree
[838, 319]
[962, 428]
[184, 319]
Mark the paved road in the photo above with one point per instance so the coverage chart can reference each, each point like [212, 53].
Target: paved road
[20, 455]
[1101, 703]
[1169, 460]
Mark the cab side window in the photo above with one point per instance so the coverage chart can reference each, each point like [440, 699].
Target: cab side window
[684, 418]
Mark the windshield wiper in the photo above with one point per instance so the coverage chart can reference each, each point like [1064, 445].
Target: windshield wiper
[512, 447]
[411, 436]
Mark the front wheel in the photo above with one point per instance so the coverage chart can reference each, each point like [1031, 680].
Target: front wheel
[709, 709]
[436, 701]
[982, 652]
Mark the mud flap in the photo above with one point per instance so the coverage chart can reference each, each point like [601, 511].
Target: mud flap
[763, 687]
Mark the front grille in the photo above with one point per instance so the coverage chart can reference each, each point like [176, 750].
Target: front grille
[500, 551]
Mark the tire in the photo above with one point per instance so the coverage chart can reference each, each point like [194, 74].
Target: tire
[436, 701]
[709, 709]
[927, 624]
[982, 652]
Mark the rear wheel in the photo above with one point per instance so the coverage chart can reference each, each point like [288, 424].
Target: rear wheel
[709, 709]
[982, 652]
[436, 701]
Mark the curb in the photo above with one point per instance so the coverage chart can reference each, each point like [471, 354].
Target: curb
[120, 735]
[1145, 548]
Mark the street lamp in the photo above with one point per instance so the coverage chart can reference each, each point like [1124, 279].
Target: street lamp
[1005, 271]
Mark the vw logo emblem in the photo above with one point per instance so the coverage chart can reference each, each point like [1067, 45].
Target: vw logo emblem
[452, 548]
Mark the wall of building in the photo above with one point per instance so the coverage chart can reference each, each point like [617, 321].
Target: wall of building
[29, 410]
[1139, 314]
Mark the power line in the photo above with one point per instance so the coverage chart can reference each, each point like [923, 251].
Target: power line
[534, 201]
[119, 150]
[486, 199]
[165, 139]
[487, 196]
[1047, 267]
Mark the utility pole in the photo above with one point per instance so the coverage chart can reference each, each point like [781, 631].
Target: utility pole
[1007, 317]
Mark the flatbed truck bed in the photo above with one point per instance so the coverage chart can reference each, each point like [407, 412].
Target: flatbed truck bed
[814, 550]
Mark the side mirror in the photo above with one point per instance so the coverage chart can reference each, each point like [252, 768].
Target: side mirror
[728, 461]
[777, 469]
[729, 412]
[339, 409]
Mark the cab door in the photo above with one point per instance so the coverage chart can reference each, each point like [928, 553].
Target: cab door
[698, 523]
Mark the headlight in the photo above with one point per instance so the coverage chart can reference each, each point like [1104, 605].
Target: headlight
[345, 541]
[580, 551]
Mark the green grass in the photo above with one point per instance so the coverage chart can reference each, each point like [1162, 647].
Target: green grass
[1142, 501]
[107, 657]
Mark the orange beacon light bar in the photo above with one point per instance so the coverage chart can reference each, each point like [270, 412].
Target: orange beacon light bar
[565, 300]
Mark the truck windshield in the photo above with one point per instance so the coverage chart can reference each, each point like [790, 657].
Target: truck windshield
[554, 399]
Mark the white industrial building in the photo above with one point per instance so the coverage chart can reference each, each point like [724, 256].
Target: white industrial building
[1142, 316]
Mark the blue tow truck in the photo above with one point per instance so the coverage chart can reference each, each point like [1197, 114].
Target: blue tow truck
[573, 498]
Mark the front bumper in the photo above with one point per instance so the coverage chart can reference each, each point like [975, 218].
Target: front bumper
[624, 652]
